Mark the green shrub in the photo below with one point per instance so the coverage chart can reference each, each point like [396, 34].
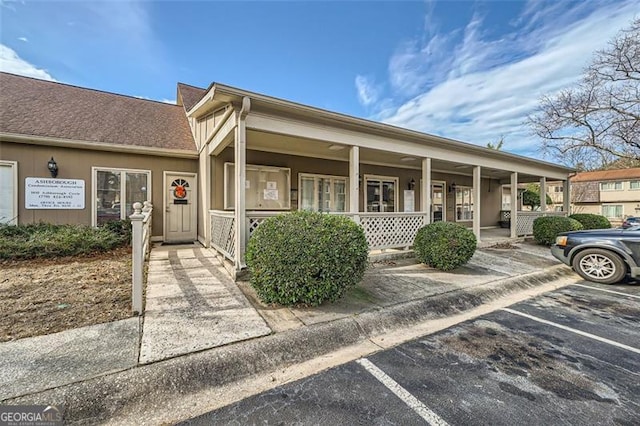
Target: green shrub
[306, 257]
[47, 240]
[592, 221]
[444, 245]
[119, 227]
[547, 228]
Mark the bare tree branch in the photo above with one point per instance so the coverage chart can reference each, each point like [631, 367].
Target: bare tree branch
[597, 122]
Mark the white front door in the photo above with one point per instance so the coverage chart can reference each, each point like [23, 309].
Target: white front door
[181, 206]
[8, 192]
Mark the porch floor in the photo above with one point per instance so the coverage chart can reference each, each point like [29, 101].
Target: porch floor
[491, 236]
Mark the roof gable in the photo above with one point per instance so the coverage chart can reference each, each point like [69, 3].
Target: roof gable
[190, 95]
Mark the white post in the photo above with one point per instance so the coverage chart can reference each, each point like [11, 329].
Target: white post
[241, 175]
[566, 196]
[137, 258]
[204, 175]
[514, 204]
[425, 194]
[476, 201]
[354, 184]
[543, 194]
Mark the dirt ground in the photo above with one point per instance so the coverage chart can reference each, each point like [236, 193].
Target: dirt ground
[44, 296]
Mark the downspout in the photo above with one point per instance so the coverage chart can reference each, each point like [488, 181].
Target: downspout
[241, 173]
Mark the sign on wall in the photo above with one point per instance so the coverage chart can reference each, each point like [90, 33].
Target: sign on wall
[49, 193]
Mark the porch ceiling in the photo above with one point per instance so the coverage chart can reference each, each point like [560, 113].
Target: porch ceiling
[272, 142]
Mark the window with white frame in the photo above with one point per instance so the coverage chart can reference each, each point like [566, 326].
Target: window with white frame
[322, 193]
[380, 195]
[634, 184]
[266, 187]
[464, 203]
[115, 191]
[612, 211]
[9, 192]
[610, 186]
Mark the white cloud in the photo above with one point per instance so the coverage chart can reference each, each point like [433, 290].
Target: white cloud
[23, 39]
[466, 86]
[163, 100]
[12, 63]
[367, 91]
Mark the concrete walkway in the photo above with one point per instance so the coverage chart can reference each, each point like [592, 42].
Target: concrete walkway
[192, 304]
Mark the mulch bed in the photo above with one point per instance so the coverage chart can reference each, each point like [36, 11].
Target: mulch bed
[43, 296]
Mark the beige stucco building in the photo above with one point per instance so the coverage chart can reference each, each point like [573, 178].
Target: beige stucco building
[224, 156]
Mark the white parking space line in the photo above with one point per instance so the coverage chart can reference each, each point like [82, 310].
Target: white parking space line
[608, 291]
[406, 397]
[573, 330]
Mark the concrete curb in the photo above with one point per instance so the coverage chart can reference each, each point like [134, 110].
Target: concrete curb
[104, 397]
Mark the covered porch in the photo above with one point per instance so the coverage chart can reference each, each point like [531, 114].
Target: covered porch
[257, 163]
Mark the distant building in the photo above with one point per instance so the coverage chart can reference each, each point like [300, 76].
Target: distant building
[614, 194]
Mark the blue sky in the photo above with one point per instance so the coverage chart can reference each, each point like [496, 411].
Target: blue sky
[470, 71]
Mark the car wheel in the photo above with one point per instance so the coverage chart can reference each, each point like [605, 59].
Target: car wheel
[599, 266]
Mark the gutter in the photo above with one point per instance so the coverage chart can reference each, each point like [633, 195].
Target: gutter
[96, 146]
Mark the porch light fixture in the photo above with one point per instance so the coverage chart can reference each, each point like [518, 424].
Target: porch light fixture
[53, 167]
[412, 184]
[452, 187]
[407, 159]
[336, 147]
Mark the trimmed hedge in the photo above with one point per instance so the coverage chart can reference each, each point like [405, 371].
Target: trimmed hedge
[48, 240]
[592, 221]
[547, 228]
[306, 258]
[444, 245]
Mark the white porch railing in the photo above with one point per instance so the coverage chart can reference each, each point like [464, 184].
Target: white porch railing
[382, 230]
[391, 230]
[524, 222]
[223, 231]
[140, 245]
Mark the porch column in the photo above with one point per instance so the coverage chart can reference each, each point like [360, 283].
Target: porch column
[476, 201]
[205, 189]
[543, 194]
[354, 184]
[514, 204]
[240, 151]
[425, 194]
[566, 196]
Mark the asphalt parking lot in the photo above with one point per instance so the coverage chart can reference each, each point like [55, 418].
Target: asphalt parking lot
[571, 356]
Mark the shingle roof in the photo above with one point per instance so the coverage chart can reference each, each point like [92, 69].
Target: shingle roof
[190, 95]
[601, 175]
[42, 108]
